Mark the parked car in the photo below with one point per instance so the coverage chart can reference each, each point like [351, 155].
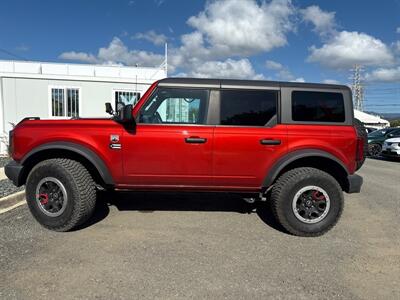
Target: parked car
[376, 139]
[391, 148]
[370, 129]
[297, 142]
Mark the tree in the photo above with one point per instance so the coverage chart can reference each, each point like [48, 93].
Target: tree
[395, 123]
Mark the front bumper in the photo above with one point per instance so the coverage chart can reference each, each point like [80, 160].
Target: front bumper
[355, 182]
[390, 151]
[13, 171]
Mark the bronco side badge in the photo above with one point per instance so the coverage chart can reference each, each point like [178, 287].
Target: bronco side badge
[114, 138]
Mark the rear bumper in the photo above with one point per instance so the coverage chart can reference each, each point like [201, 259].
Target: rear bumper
[354, 183]
[13, 171]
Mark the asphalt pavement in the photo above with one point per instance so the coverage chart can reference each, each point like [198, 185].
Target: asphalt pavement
[207, 246]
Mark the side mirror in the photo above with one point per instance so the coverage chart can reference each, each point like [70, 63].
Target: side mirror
[109, 109]
[125, 116]
[390, 135]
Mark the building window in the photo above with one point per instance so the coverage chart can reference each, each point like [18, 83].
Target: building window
[65, 102]
[126, 97]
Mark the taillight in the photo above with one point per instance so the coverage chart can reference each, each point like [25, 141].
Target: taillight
[360, 149]
[361, 146]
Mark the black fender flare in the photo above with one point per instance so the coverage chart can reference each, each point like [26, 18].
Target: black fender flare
[88, 154]
[293, 156]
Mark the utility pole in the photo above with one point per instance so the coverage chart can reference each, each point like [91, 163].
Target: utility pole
[357, 88]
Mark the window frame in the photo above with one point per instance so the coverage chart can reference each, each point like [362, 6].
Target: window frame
[215, 107]
[65, 88]
[115, 90]
[207, 108]
[286, 106]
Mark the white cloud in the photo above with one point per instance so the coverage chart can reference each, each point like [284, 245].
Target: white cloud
[324, 22]
[398, 29]
[348, 48]
[79, 56]
[116, 53]
[224, 30]
[273, 65]
[331, 81]
[152, 37]
[282, 72]
[396, 46]
[229, 68]
[238, 27]
[384, 75]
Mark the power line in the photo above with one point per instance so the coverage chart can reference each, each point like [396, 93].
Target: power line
[12, 54]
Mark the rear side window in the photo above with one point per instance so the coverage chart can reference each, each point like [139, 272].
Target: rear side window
[248, 108]
[317, 106]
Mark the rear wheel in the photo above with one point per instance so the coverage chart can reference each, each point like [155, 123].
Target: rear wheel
[307, 201]
[60, 193]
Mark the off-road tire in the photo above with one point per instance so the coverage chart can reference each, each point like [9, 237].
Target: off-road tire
[285, 189]
[80, 189]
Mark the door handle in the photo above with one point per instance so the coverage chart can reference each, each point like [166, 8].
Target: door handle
[270, 142]
[195, 140]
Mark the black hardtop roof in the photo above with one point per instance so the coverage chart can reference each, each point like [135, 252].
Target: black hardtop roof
[253, 83]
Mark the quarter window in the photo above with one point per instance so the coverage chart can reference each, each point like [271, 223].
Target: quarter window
[312, 106]
[64, 102]
[248, 108]
[175, 106]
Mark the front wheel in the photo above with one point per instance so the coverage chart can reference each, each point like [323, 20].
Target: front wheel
[60, 193]
[307, 201]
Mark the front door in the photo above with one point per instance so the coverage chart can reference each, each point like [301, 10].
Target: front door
[248, 139]
[172, 145]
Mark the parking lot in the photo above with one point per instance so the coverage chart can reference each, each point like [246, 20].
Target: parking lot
[208, 246]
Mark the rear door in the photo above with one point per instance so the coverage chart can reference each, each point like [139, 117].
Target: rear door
[248, 139]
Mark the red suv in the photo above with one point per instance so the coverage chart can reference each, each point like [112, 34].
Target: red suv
[295, 142]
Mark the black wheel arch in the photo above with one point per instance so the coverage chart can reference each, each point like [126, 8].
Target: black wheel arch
[86, 156]
[316, 158]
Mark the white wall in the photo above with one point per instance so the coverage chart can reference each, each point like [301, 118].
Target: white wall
[30, 97]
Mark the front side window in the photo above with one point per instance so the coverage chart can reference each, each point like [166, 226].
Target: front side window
[175, 106]
[64, 102]
[310, 106]
[248, 108]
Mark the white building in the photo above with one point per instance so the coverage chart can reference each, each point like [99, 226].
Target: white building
[55, 90]
[371, 120]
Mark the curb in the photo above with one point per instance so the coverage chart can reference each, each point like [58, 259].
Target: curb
[2, 174]
[12, 201]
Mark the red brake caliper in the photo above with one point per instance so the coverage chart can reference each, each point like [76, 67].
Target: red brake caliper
[316, 197]
[43, 198]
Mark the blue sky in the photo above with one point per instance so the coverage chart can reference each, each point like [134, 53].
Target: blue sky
[314, 41]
